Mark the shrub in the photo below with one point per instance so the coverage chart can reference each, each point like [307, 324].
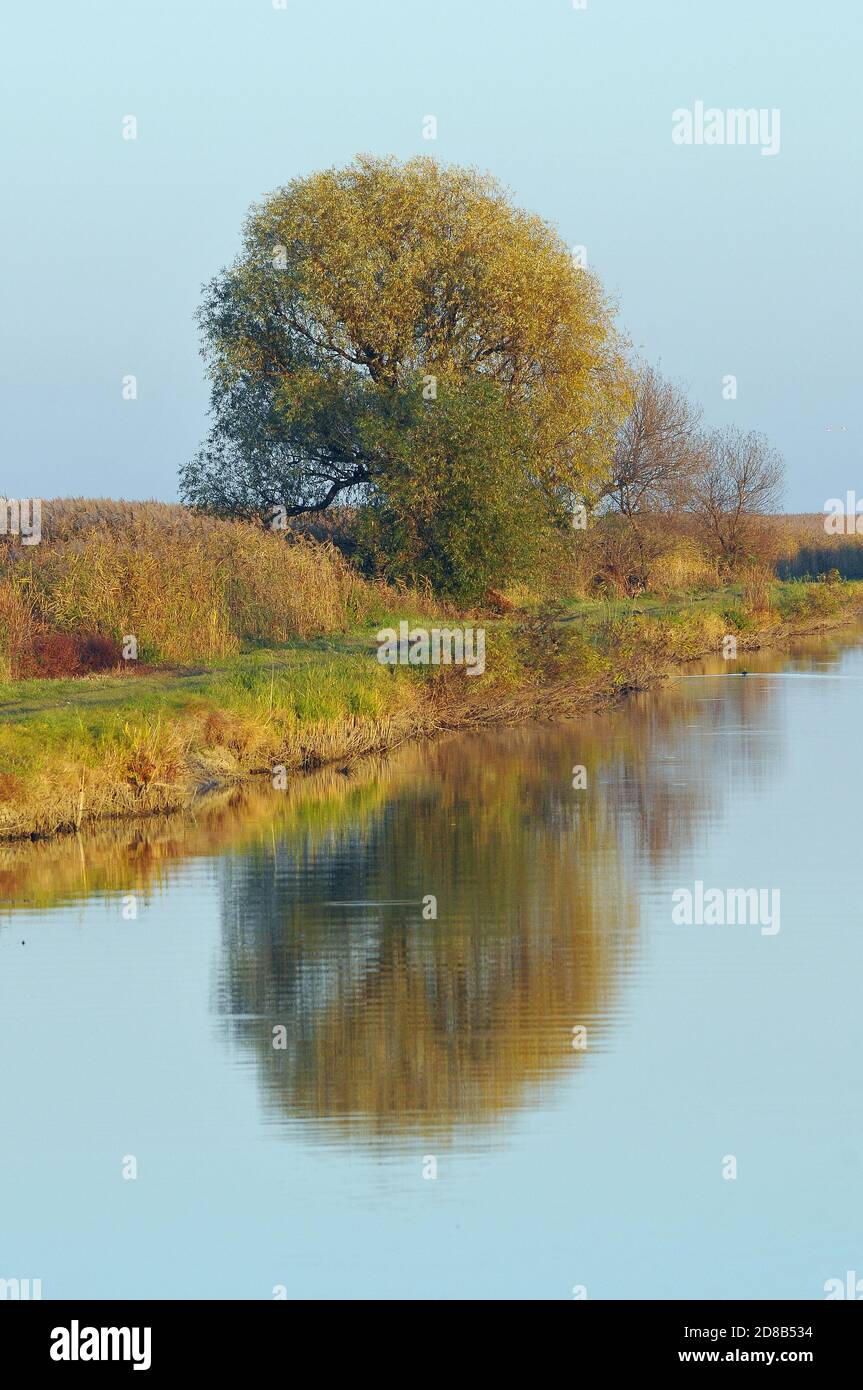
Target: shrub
[737, 617]
[52, 655]
[800, 600]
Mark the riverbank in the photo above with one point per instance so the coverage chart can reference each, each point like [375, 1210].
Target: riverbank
[80, 751]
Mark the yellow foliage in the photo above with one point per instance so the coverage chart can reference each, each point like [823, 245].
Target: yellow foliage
[397, 271]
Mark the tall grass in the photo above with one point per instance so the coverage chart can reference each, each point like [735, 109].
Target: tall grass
[16, 626]
[194, 594]
[187, 588]
[684, 565]
[756, 591]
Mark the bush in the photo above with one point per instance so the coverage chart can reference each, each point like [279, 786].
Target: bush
[737, 617]
[624, 556]
[801, 600]
[55, 655]
[554, 650]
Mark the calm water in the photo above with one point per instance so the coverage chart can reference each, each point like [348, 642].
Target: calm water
[408, 1039]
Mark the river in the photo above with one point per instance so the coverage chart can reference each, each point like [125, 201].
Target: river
[427, 1028]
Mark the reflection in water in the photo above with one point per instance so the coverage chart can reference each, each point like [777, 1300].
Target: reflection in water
[388, 1021]
[393, 1021]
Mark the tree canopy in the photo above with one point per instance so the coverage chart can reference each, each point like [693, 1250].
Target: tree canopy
[383, 288]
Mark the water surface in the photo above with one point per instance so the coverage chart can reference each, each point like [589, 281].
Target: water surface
[410, 1041]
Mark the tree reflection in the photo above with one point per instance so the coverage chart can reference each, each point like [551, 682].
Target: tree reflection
[393, 1021]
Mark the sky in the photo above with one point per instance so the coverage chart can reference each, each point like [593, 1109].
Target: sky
[723, 261]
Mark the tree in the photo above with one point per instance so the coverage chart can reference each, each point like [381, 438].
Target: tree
[657, 449]
[357, 287]
[742, 479]
[656, 459]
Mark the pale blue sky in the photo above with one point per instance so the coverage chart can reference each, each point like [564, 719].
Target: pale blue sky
[721, 260]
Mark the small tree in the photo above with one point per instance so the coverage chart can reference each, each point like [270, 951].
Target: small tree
[657, 451]
[742, 479]
[656, 459]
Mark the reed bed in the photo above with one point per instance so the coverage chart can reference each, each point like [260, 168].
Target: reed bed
[186, 588]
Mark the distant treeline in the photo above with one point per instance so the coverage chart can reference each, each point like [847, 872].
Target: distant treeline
[814, 560]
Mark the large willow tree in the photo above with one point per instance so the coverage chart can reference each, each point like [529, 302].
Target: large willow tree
[365, 294]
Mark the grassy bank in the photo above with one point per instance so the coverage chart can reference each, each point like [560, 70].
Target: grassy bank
[83, 749]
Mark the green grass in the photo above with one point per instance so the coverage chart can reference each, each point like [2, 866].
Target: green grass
[651, 605]
[111, 744]
[330, 676]
[340, 669]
